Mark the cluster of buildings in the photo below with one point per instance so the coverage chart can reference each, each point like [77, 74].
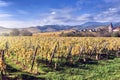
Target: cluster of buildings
[109, 28]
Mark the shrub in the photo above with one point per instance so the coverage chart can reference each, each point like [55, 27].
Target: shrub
[15, 32]
[115, 34]
[25, 33]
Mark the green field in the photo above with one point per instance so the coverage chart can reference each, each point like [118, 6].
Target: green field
[103, 70]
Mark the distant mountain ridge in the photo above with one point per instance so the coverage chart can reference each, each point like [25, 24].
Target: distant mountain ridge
[51, 28]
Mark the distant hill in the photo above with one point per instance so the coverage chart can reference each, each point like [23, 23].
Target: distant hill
[4, 30]
[53, 28]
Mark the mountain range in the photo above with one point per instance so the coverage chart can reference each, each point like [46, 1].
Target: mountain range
[52, 28]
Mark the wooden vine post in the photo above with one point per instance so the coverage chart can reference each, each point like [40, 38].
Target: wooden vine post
[81, 52]
[2, 63]
[53, 53]
[69, 55]
[34, 56]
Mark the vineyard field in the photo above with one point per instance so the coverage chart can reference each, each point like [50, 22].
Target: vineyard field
[60, 58]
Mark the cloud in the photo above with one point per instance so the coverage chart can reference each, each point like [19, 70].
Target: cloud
[4, 15]
[112, 3]
[64, 16]
[53, 12]
[4, 3]
[84, 17]
[64, 10]
[57, 16]
[110, 15]
[18, 24]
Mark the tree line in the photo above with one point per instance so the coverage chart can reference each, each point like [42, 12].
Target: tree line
[16, 32]
[90, 34]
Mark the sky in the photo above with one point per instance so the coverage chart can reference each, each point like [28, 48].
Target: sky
[28, 13]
